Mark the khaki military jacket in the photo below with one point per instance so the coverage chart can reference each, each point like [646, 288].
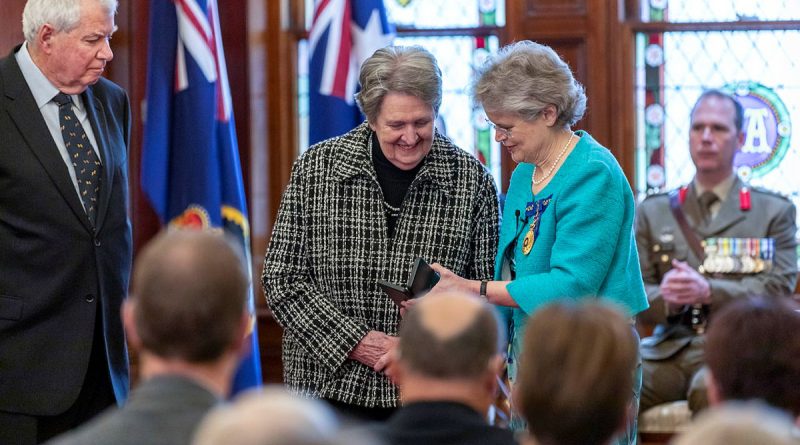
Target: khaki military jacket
[659, 239]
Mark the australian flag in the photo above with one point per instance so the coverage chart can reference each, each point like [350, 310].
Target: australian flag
[343, 34]
[190, 158]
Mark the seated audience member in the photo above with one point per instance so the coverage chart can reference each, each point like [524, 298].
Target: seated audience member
[753, 352]
[685, 290]
[187, 318]
[447, 362]
[272, 416]
[740, 424]
[575, 374]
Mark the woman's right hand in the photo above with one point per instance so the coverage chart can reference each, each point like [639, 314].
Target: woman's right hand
[450, 282]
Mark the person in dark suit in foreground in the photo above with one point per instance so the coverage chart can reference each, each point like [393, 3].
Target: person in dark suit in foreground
[448, 360]
[65, 237]
[187, 317]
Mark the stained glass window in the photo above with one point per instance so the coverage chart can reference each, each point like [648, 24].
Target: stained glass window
[760, 67]
[692, 11]
[433, 14]
[462, 122]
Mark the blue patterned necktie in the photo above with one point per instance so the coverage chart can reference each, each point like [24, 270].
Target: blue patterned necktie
[88, 169]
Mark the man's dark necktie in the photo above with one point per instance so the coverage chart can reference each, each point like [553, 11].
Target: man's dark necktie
[707, 199]
[88, 169]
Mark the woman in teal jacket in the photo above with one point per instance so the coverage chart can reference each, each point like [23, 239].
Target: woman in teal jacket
[567, 230]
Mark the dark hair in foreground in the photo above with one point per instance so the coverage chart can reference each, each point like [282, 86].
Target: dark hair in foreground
[753, 351]
[189, 294]
[576, 373]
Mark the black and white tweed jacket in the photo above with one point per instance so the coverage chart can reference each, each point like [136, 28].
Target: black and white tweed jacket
[330, 245]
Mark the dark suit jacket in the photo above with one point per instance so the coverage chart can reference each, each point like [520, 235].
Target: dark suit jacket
[659, 239]
[441, 423]
[54, 268]
[164, 410]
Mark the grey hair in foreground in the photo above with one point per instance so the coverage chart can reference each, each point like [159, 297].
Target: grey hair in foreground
[740, 423]
[269, 416]
[524, 77]
[63, 15]
[410, 70]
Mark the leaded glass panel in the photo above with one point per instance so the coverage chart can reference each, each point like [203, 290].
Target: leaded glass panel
[760, 67]
[433, 14]
[690, 11]
[463, 123]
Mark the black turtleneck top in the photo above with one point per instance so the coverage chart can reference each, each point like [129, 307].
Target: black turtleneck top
[394, 183]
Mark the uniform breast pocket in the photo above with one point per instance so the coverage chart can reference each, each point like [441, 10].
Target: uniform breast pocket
[667, 248]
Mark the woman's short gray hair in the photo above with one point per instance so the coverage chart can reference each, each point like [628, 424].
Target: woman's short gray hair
[63, 15]
[524, 77]
[409, 70]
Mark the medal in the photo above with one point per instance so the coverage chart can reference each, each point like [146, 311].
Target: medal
[527, 242]
[534, 208]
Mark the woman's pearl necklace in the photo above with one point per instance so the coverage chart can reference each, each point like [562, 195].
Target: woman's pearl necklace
[553, 165]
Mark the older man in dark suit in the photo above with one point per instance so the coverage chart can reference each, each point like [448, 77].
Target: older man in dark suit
[64, 231]
[755, 226]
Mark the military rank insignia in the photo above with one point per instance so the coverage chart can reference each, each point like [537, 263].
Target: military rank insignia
[738, 255]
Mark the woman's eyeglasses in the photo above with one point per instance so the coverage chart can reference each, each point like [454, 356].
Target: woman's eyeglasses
[505, 132]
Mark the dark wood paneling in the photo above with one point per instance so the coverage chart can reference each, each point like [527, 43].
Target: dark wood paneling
[10, 24]
[572, 51]
[548, 8]
[588, 35]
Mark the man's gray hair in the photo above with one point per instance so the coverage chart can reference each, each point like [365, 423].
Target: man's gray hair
[524, 77]
[63, 15]
[410, 70]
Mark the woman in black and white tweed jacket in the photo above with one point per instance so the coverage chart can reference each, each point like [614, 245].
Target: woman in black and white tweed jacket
[361, 207]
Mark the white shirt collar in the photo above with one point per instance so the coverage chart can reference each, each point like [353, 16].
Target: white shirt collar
[721, 190]
[42, 89]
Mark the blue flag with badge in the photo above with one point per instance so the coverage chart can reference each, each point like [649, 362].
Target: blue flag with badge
[190, 168]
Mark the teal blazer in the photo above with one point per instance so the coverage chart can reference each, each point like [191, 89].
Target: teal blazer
[585, 246]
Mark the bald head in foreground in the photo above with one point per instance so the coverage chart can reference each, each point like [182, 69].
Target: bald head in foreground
[448, 359]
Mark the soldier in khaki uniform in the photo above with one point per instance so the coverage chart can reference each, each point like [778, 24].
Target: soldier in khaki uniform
[761, 260]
